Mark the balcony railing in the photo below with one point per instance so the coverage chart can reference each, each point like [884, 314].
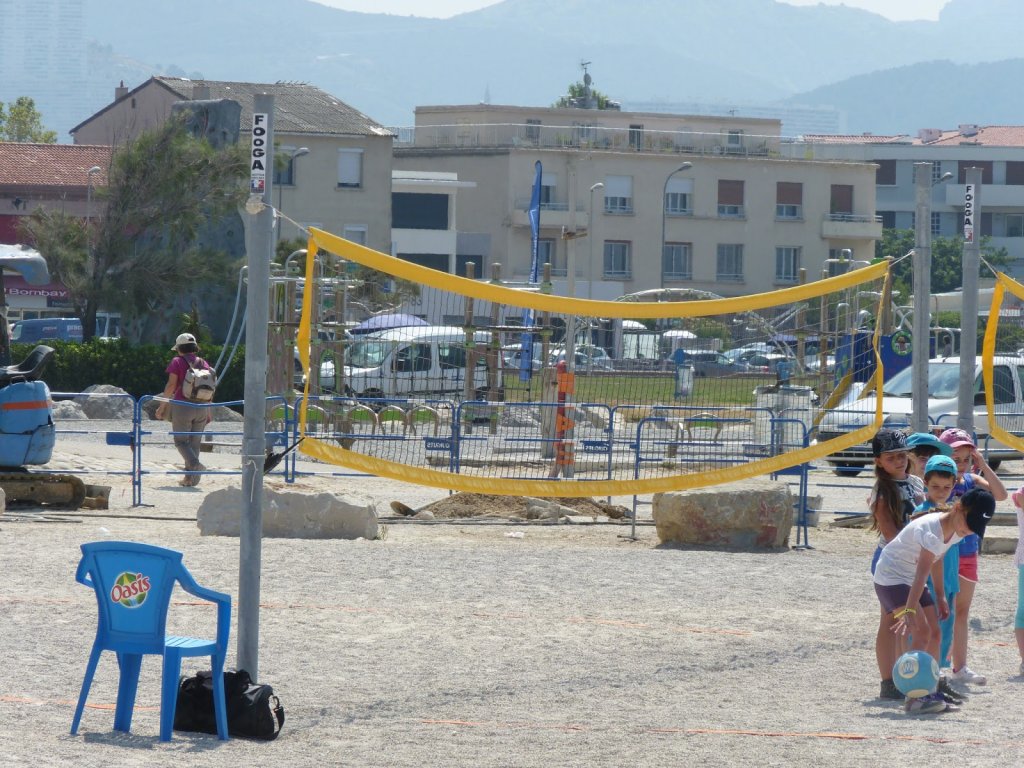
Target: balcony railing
[585, 137]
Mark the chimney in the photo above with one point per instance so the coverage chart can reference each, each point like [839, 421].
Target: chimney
[200, 92]
[120, 91]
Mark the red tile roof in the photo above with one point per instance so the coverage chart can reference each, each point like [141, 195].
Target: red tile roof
[57, 165]
[858, 138]
[980, 135]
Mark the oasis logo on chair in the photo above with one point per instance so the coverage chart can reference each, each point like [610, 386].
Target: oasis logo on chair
[130, 589]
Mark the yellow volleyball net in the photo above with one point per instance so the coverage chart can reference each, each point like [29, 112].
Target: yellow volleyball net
[1002, 373]
[486, 386]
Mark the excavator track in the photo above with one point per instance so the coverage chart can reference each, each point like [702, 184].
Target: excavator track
[43, 488]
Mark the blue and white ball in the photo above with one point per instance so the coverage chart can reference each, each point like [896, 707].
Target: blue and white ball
[916, 674]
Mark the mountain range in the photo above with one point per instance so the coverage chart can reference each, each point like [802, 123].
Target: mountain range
[884, 76]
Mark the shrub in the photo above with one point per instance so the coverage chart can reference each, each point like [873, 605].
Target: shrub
[137, 369]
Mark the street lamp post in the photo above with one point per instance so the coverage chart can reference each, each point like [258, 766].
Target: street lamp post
[88, 203]
[280, 187]
[590, 235]
[684, 167]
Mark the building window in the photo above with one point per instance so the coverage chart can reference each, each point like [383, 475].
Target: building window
[1014, 172]
[618, 263]
[677, 261]
[735, 140]
[787, 264]
[533, 129]
[419, 210]
[1014, 225]
[285, 176]
[936, 224]
[730, 198]
[841, 200]
[355, 234]
[636, 137]
[936, 172]
[548, 184]
[888, 219]
[350, 168]
[729, 262]
[885, 174]
[547, 253]
[837, 264]
[679, 197]
[618, 194]
[789, 200]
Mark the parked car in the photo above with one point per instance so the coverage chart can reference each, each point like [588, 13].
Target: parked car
[426, 360]
[713, 364]
[47, 329]
[512, 355]
[766, 363]
[588, 358]
[943, 403]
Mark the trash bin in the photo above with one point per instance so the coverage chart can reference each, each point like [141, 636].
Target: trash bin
[684, 381]
[795, 405]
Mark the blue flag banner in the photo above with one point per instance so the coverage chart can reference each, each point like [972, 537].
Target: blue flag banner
[526, 343]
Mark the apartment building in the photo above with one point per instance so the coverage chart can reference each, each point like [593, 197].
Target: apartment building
[997, 150]
[632, 201]
[338, 170]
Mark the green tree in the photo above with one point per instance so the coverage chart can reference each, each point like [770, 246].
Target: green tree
[22, 123]
[578, 90]
[145, 246]
[947, 260]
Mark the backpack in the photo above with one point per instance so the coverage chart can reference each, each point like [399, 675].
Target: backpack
[199, 383]
[253, 711]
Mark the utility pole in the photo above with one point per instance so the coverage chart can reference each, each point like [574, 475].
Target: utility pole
[922, 284]
[969, 305]
[260, 252]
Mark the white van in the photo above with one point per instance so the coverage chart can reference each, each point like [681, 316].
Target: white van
[426, 361]
[943, 387]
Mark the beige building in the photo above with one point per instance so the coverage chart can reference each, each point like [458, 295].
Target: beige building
[342, 183]
[735, 216]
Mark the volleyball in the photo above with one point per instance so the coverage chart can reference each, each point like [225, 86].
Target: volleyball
[916, 674]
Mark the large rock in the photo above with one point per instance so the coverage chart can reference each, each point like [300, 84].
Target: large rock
[107, 402]
[743, 515]
[67, 409]
[292, 515]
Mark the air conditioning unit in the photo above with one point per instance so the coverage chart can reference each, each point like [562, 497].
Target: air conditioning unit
[968, 129]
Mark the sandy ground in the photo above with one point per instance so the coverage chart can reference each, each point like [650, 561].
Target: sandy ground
[490, 643]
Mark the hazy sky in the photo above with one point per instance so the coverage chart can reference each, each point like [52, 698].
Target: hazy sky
[898, 10]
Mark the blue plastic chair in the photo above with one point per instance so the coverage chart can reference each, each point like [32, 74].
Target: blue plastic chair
[133, 584]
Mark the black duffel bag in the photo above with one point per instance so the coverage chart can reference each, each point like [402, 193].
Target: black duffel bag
[253, 711]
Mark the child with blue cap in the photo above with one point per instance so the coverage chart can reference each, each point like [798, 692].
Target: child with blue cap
[939, 479]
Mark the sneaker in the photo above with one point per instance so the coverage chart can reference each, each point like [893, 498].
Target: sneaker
[926, 705]
[892, 693]
[950, 694]
[965, 675]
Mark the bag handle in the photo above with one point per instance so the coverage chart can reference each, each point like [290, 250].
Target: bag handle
[278, 711]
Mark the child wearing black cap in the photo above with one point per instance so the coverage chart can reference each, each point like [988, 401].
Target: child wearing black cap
[905, 564]
[892, 502]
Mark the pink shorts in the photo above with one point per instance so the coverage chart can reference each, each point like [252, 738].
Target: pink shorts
[969, 567]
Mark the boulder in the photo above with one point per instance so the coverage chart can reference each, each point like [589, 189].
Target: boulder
[107, 402]
[747, 514]
[67, 409]
[292, 515]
